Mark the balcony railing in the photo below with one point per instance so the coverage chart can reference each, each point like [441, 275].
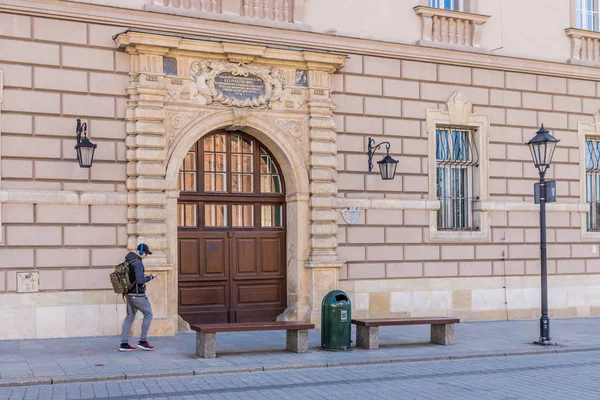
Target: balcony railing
[450, 29]
[585, 47]
[277, 13]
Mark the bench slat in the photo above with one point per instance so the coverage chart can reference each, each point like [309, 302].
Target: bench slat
[252, 326]
[405, 321]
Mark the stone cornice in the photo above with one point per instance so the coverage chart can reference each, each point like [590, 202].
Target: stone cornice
[233, 51]
[305, 40]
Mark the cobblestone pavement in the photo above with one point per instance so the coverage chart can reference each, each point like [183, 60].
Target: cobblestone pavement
[57, 361]
[552, 376]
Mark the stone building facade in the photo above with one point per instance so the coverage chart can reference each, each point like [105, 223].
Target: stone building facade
[150, 80]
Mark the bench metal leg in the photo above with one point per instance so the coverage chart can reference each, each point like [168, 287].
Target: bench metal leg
[297, 341]
[367, 337]
[206, 344]
[442, 334]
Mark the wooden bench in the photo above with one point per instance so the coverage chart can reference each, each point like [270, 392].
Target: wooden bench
[367, 330]
[206, 335]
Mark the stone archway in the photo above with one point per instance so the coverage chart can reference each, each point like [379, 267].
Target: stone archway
[174, 101]
[293, 167]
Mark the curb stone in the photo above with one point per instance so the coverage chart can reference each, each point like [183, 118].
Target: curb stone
[229, 370]
[88, 378]
[25, 382]
[161, 374]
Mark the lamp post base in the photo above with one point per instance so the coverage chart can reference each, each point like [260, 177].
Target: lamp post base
[545, 342]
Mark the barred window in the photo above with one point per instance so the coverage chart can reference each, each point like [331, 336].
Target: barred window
[454, 5]
[457, 160]
[592, 183]
[588, 15]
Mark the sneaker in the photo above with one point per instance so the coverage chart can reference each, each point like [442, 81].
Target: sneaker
[126, 347]
[145, 346]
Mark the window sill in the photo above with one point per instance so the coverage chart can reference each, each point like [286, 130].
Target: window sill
[461, 236]
[585, 47]
[451, 29]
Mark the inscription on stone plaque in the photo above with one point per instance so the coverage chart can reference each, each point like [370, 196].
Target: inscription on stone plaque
[240, 87]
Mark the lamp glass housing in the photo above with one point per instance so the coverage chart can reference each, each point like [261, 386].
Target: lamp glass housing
[542, 147]
[387, 167]
[85, 153]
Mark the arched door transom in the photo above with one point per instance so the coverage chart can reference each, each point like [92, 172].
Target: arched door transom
[231, 219]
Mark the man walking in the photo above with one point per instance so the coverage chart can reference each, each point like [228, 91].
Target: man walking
[137, 300]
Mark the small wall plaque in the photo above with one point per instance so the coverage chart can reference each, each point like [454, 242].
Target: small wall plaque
[350, 215]
[28, 282]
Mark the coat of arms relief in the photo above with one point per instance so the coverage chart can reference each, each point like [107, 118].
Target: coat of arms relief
[246, 86]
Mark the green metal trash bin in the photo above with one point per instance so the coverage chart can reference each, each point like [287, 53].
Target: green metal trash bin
[336, 321]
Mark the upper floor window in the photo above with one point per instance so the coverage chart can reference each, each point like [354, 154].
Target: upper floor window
[588, 15]
[454, 5]
[592, 183]
[457, 160]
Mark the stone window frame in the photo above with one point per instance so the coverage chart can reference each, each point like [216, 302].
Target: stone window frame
[584, 130]
[459, 113]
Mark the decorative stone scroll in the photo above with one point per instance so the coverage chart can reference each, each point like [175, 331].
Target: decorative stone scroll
[459, 108]
[237, 85]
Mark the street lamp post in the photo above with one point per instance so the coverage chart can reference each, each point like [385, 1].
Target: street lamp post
[542, 147]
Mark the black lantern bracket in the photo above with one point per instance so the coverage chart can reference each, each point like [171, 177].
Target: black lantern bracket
[85, 148]
[387, 166]
[81, 128]
[373, 148]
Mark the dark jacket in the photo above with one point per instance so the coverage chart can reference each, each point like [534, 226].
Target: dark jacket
[136, 274]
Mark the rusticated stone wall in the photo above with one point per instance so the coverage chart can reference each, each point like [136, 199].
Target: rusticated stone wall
[393, 266]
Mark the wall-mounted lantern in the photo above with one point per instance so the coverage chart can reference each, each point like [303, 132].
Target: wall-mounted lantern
[387, 166]
[85, 148]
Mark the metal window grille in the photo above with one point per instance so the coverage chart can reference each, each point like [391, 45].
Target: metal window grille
[588, 15]
[457, 158]
[592, 183]
[455, 5]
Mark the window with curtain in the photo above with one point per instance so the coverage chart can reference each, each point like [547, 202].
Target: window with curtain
[588, 15]
[455, 5]
[457, 159]
[592, 183]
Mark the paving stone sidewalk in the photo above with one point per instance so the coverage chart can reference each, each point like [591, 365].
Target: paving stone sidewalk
[52, 361]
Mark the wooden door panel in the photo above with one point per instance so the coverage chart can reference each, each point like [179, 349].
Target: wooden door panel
[202, 296]
[249, 293]
[244, 250]
[188, 257]
[207, 302]
[215, 257]
[258, 315]
[271, 255]
[258, 300]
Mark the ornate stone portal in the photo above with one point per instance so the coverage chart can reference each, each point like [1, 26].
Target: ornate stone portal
[181, 90]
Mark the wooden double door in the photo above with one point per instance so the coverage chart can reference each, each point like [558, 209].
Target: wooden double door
[231, 237]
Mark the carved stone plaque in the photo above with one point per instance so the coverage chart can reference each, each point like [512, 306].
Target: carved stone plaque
[240, 87]
[236, 85]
